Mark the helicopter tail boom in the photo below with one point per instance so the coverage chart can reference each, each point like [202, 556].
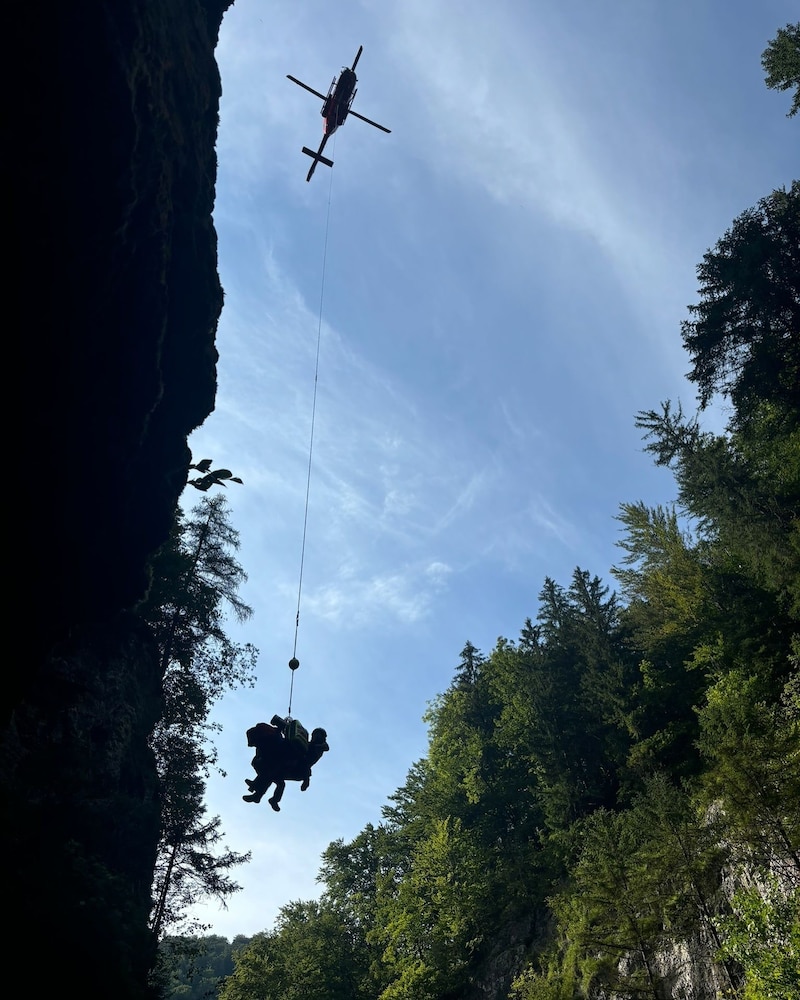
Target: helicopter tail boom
[317, 158]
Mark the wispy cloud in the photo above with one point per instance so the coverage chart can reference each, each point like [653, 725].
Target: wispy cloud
[397, 499]
[543, 515]
[513, 113]
[358, 601]
[354, 600]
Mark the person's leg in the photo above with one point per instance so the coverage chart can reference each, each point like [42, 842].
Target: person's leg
[277, 795]
[257, 788]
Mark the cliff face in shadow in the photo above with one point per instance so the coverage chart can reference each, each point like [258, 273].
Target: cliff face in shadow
[114, 300]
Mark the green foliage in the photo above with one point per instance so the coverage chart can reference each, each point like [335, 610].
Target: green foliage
[613, 906]
[781, 62]
[522, 742]
[763, 937]
[193, 968]
[743, 338]
[564, 693]
[190, 864]
[195, 577]
[665, 578]
[431, 926]
[742, 490]
[356, 874]
[555, 983]
[644, 877]
[751, 743]
[311, 955]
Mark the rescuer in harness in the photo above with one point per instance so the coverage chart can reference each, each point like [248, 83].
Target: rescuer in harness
[284, 753]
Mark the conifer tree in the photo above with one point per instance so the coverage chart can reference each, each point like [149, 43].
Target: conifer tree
[195, 576]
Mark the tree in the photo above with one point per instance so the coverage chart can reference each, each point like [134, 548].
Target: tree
[743, 339]
[612, 909]
[751, 744]
[311, 955]
[645, 879]
[664, 579]
[781, 62]
[194, 577]
[762, 936]
[563, 692]
[193, 968]
[432, 929]
[356, 874]
[189, 862]
[741, 491]
[684, 849]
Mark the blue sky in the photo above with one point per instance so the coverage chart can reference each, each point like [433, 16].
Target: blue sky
[505, 278]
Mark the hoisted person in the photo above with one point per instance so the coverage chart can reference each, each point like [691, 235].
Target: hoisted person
[283, 753]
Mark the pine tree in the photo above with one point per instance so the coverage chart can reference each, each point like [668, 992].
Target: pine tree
[195, 577]
[743, 339]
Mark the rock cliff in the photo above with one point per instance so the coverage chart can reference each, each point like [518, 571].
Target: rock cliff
[114, 301]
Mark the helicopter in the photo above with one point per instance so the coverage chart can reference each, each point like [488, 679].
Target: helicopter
[335, 109]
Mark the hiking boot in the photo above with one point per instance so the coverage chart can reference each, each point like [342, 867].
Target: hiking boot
[255, 797]
[304, 786]
[274, 804]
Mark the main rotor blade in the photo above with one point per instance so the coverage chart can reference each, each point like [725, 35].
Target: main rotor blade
[369, 121]
[358, 56]
[305, 86]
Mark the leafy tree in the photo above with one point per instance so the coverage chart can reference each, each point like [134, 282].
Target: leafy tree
[684, 848]
[446, 829]
[645, 878]
[751, 744]
[521, 743]
[193, 968]
[353, 873]
[662, 577]
[432, 928]
[311, 955]
[613, 908]
[762, 936]
[194, 577]
[361, 882]
[551, 983]
[781, 62]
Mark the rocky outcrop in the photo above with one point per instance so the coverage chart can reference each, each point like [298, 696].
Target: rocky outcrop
[117, 293]
[114, 299]
[82, 819]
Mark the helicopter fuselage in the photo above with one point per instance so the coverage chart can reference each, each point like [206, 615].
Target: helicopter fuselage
[337, 103]
[335, 109]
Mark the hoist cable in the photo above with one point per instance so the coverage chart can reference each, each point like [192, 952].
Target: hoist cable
[311, 438]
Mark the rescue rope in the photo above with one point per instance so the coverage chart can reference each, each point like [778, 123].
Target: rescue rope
[294, 662]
